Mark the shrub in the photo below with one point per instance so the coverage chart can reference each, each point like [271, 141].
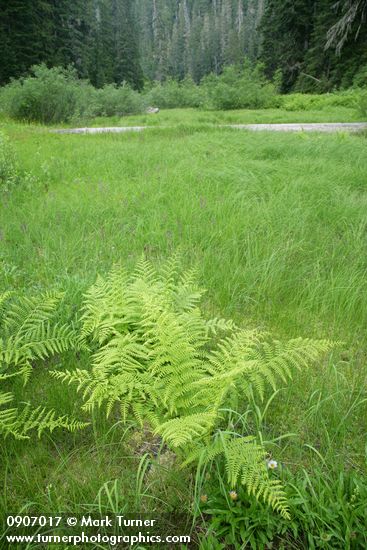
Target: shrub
[49, 96]
[57, 95]
[172, 94]
[119, 101]
[240, 88]
[303, 102]
[163, 364]
[362, 104]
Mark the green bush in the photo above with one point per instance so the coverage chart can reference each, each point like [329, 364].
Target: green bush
[240, 88]
[362, 104]
[57, 95]
[305, 102]
[236, 88]
[112, 100]
[48, 96]
[172, 94]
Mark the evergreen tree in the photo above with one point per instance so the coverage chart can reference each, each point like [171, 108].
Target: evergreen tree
[295, 40]
[318, 44]
[286, 28]
[125, 48]
[323, 67]
[98, 37]
[25, 36]
[100, 42]
[196, 36]
[69, 26]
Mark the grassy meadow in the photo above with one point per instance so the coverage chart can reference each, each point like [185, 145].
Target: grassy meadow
[195, 117]
[276, 225]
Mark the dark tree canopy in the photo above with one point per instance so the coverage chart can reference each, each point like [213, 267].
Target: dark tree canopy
[98, 37]
[317, 44]
[297, 39]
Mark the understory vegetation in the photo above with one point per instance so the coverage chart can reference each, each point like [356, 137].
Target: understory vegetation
[57, 95]
[220, 379]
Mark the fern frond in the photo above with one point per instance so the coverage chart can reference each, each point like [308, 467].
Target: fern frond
[41, 419]
[121, 352]
[244, 464]
[46, 340]
[4, 296]
[19, 423]
[213, 326]
[82, 378]
[180, 431]
[170, 271]
[5, 398]
[145, 271]
[8, 420]
[159, 361]
[26, 313]
[27, 334]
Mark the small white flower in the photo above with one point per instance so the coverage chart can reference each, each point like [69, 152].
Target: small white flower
[272, 464]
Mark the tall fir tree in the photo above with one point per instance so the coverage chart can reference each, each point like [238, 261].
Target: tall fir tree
[125, 47]
[295, 40]
[26, 36]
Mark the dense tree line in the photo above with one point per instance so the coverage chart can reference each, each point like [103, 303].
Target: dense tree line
[317, 44]
[181, 38]
[120, 40]
[98, 37]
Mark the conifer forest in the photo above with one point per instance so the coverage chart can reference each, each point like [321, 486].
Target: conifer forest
[183, 274]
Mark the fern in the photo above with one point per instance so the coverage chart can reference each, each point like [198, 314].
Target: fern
[183, 430]
[158, 360]
[27, 333]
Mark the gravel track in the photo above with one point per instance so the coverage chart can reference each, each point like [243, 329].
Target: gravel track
[293, 127]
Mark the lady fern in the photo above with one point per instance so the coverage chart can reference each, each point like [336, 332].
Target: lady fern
[27, 334]
[162, 362]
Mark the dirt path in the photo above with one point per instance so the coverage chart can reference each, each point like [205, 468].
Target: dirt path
[305, 127]
[293, 127]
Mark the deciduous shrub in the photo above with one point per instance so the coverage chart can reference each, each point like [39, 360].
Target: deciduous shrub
[48, 96]
[362, 103]
[172, 94]
[236, 88]
[240, 88]
[57, 95]
[304, 102]
[118, 100]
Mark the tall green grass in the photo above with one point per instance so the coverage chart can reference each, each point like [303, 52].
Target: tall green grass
[277, 225]
[276, 222]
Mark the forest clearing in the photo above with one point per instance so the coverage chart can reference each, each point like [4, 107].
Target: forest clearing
[183, 275]
[275, 226]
